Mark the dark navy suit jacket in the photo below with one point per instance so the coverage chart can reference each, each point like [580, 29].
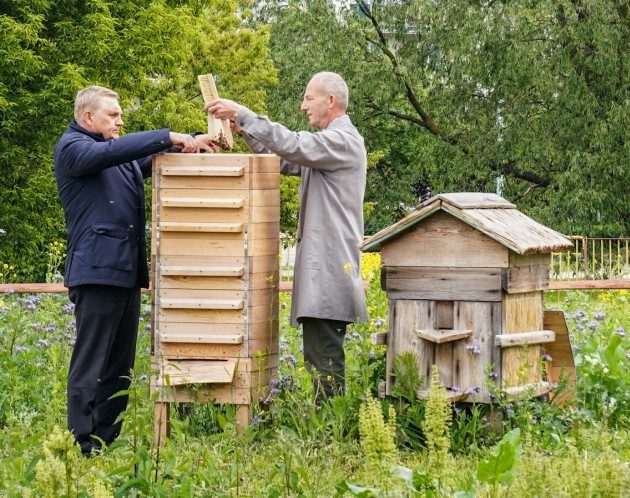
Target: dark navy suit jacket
[101, 188]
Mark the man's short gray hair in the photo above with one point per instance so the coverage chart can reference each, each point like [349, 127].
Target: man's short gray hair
[91, 98]
[333, 84]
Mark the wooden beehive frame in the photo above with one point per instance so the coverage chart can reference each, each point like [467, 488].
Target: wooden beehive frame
[218, 129]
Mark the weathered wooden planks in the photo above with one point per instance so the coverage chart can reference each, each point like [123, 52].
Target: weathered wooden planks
[444, 241]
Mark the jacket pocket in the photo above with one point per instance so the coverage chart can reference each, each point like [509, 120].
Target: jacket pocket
[111, 247]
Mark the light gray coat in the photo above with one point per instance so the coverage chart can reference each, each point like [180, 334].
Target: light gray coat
[332, 164]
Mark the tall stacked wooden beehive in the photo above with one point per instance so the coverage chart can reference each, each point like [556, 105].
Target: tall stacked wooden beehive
[465, 275]
[214, 255]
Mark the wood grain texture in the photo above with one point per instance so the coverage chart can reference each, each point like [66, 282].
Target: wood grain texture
[444, 241]
[522, 313]
[443, 284]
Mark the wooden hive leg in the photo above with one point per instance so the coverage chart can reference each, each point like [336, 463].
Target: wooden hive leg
[161, 425]
[242, 418]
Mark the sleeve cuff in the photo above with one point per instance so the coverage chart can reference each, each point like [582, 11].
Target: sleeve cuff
[244, 118]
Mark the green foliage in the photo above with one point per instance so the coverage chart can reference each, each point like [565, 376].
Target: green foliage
[437, 421]
[293, 448]
[451, 95]
[602, 344]
[498, 467]
[377, 435]
[149, 51]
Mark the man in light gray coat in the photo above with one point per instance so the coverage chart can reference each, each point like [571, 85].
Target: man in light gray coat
[327, 288]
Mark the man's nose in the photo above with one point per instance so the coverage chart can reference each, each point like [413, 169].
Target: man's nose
[303, 106]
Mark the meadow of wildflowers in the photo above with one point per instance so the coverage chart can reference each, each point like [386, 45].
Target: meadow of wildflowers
[522, 448]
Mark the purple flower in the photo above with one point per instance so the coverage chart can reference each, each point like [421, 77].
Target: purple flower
[592, 325]
[30, 305]
[456, 389]
[274, 381]
[43, 343]
[473, 348]
[599, 315]
[579, 314]
[621, 332]
[20, 349]
[493, 375]
[372, 354]
[473, 390]
[148, 326]
[50, 328]
[255, 420]
[547, 357]
[67, 309]
[378, 322]
[290, 359]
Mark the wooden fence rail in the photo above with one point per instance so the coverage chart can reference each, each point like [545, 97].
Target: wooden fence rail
[592, 263]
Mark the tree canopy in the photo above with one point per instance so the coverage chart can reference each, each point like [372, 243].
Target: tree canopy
[149, 51]
[455, 96]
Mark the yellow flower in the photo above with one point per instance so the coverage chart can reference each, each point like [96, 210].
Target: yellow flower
[347, 268]
[1, 303]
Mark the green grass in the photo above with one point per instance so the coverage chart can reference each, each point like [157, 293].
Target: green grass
[295, 449]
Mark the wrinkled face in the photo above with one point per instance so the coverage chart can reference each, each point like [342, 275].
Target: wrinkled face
[317, 105]
[106, 119]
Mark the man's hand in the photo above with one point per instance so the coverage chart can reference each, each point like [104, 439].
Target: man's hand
[205, 143]
[184, 142]
[223, 108]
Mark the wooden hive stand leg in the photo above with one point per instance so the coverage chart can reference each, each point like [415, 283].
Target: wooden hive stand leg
[242, 418]
[161, 425]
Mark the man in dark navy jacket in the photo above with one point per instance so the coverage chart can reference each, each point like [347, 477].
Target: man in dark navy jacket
[100, 180]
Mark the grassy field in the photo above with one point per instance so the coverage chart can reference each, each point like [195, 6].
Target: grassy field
[354, 446]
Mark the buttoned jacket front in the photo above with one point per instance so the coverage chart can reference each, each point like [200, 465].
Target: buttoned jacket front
[101, 189]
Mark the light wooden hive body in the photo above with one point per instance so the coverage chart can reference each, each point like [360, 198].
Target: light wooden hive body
[215, 234]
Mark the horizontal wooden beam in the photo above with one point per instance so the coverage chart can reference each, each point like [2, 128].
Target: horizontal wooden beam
[443, 335]
[203, 202]
[533, 390]
[203, 171]
[524, 338]
[202, 271]
[183, 226]
[202, 304]
[203, 338]
[620, 283]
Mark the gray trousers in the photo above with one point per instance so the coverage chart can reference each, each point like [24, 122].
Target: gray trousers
[324, 355]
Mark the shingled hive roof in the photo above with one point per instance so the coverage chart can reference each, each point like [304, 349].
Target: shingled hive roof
[488, 213]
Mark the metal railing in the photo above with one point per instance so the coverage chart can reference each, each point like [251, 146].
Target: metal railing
[592, 258]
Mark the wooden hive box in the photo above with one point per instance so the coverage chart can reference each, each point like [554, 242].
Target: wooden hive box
[464, 275]
[215, 234]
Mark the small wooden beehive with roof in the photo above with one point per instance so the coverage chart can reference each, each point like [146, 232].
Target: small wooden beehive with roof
[464, 275]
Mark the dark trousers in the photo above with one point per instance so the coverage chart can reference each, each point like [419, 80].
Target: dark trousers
[103, 355]
[324, 355]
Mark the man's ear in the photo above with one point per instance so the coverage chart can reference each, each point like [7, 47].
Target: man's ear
[332, 101]
[87, 117]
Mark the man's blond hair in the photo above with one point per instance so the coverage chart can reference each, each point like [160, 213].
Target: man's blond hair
[91, 98]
